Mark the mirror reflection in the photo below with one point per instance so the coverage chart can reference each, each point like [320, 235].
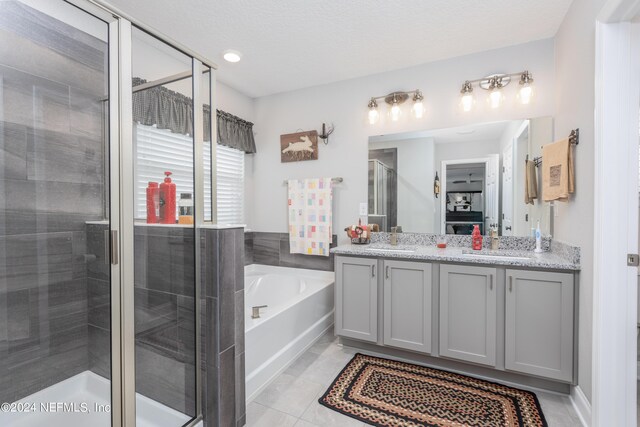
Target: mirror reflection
[446, 181]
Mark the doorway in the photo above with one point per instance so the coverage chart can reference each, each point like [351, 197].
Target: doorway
[470, 189]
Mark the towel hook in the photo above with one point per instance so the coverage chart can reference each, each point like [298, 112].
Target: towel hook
[574, 136]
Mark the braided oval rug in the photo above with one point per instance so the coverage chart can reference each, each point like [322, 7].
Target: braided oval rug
[384, 392]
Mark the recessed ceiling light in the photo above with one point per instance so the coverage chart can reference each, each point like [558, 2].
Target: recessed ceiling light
[231, 55]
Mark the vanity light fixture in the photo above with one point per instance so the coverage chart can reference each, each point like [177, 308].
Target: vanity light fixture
[526, 90]
[395, 109]
[495, 85]
[467, 99]
[373, 112]
[395, 99]
[495, 95]
[418, 106]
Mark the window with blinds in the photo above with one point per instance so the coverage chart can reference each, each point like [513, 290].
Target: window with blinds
[160, 150]
[230, 177]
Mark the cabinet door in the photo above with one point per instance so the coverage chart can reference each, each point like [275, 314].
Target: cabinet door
[539, 324]
[407, 305]
[468, 313]
[357, 298]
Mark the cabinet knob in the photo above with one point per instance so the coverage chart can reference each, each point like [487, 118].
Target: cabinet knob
[510, 283]
[491, 282]
[373, 271]
[386, 271]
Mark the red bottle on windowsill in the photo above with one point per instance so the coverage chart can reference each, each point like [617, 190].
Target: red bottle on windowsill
[476, 238]
[153, 203]
[167, 200]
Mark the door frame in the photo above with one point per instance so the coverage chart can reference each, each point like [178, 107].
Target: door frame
[617, 99]
[443, 184]
[509, 147]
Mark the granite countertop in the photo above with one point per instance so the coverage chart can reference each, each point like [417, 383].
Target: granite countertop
[517, 258]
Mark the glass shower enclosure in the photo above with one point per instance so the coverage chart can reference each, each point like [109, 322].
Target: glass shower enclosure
[99, 296]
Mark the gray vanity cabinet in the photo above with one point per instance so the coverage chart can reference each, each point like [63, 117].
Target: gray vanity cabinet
[407, 305]
[357, 298]
[539, 323]
[468, 300]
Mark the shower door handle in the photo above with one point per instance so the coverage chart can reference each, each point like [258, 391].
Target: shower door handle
[113, 243]
[107, 247]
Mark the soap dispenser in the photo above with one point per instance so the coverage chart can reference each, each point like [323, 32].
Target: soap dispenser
[476, 238]
[167, 200]
[538, 239]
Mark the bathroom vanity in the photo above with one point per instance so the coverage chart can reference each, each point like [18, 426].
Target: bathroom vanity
[508, 312]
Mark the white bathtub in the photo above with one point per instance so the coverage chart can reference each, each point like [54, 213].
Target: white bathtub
[299, 309]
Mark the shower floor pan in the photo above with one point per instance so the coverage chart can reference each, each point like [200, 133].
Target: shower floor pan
[82, 401]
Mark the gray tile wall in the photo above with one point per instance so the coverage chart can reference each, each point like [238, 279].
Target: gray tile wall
[51, 182]
[164, 313]
[273, 249]
[223, 282]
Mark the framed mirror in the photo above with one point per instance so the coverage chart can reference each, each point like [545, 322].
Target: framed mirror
[480, 171]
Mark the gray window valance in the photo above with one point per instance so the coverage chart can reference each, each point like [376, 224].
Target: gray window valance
[174, 111]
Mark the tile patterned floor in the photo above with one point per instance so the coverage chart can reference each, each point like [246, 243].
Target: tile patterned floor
[292, 399]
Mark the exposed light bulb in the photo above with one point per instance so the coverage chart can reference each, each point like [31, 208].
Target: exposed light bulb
[466, 102]
[495, 98]
[418, 109]
[395, 112]
[526, 92]
[373, 115]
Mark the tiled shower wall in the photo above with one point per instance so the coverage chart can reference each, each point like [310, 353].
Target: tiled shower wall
[165, 328]
[164, 312]
[51, 182]
[273, 249]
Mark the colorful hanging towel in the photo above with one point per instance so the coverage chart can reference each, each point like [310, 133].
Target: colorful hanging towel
[310, 216]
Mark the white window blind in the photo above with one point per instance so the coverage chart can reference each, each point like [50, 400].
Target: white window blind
[230, 176]
[160, 150]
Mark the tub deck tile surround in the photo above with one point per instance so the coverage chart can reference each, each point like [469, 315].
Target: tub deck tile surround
[273, 249]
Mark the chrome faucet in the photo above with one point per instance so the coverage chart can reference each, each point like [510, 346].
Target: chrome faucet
[256, 311]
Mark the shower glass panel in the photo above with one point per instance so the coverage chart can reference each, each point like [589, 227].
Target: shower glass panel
[164, 234]
[55, 277]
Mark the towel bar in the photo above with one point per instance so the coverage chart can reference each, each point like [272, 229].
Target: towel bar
[335, 180]
[574, 139]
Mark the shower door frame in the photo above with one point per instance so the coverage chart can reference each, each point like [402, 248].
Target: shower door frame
[121, 205]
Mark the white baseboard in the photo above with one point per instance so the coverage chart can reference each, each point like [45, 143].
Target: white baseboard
[581, 405]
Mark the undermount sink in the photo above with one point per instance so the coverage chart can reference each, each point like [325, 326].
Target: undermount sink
[498, 257]
[406, 251]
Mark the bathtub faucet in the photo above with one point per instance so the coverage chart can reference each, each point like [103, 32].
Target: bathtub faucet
[256, 311]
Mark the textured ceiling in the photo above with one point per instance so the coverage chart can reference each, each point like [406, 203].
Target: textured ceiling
[291, 44]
